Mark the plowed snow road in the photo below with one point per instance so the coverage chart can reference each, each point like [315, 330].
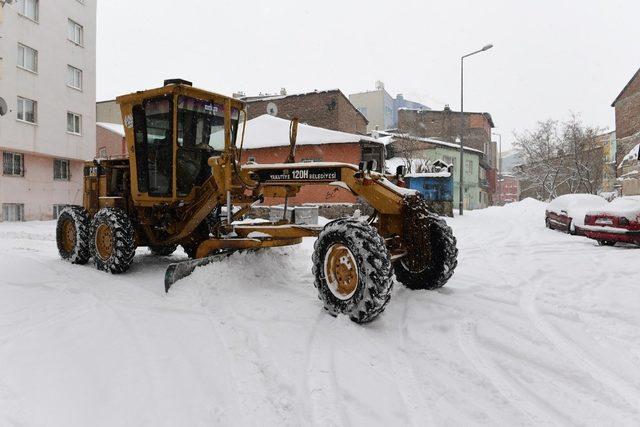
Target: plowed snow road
[535, 327]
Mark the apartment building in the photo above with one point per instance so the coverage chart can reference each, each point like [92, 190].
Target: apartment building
[47, 81]
[380, 108]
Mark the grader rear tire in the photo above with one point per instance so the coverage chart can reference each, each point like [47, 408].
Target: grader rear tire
[433, 255]
[352, 270]
[113, 240]
[72, 234]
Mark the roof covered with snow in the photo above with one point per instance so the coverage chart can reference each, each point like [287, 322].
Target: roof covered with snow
[383, 135]
[269, 131]
[113, 127]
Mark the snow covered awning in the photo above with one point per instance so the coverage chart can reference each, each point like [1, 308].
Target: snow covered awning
[270, 131]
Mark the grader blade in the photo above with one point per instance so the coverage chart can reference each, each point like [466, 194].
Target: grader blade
[180, 270]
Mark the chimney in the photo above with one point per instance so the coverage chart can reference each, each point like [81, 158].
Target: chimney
[379, 85]
[283, 91]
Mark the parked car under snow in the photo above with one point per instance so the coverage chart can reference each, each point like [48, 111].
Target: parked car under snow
[566, 212]
[619, 221]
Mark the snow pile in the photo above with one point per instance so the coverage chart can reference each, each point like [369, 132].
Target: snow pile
[534, 328]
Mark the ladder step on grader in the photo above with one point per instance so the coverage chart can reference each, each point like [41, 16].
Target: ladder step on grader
[182, 184]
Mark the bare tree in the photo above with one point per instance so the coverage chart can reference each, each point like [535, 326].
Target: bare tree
[559, 159]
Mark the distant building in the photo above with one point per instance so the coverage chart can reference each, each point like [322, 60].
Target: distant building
[328, 109]
[444, 125]
[627, 109]
[609, 149]
[266, 140]
[508, 190]
[110, 140]
[47, 79]
[108, 112]
[402, 146]
[380, 108]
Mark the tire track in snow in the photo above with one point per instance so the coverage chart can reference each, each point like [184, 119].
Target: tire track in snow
[575, 353]
[403, 371]
[326, 406]
[524, 400]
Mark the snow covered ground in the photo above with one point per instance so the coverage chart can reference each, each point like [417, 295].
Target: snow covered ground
[535, 327]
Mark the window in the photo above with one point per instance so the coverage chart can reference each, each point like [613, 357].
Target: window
[29, 9]
[61, 169]
[27, 58]
[12, 164]
[57, 209]
[102, 153]
[468, 166]
[75, 32]
[74, 77]
[12, 211]
[251, 159]
[74, 123]
[27, 110]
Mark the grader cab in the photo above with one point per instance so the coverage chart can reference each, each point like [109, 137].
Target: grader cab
[182, 184]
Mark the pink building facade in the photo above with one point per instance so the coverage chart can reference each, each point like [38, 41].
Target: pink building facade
[47, 82]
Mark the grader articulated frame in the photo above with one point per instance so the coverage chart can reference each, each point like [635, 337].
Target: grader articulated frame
[182, 184]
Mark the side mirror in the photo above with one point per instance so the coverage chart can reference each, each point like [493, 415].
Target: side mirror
[361, 166]
[400, 170]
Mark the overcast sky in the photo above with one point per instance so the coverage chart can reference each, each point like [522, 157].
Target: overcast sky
[549, 57]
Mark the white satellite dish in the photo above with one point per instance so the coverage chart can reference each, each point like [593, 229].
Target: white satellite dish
[3, 107]
[272, 109]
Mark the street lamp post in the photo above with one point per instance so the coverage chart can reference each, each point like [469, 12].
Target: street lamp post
[486, 47]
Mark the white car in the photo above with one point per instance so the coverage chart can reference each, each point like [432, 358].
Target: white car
[566, 212]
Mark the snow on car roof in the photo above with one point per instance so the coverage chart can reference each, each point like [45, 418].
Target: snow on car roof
[577, 200]
[627, 206]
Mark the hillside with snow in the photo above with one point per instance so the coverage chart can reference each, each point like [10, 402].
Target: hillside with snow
[535, 327]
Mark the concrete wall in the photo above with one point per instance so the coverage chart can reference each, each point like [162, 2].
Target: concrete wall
[108, 112]
[48, 138]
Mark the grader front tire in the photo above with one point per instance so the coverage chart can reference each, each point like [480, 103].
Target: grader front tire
[113, 240]
[73, 231]
[352, 270]
[432, 253]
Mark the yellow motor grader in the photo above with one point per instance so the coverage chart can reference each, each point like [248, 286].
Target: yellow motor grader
[182, 184]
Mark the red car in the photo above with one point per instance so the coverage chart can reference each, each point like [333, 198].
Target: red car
[566, 213]
[618, 222]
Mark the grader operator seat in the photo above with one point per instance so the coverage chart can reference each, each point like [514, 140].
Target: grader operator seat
[178, 126]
